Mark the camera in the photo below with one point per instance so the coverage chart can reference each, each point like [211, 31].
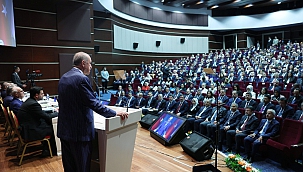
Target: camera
[32, 76]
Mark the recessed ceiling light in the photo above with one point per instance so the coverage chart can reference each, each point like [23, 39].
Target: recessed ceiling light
[182, 4]
[279, 2]
[249, 5]
[215, 6]
[156, 8]
[199, 2]
[237, 1]
[136, 2]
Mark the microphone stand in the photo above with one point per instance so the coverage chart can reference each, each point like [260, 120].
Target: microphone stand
[217, 126]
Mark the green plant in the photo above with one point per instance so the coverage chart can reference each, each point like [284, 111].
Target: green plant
[236, 163]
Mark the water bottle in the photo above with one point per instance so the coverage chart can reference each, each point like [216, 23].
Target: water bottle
[47, 96]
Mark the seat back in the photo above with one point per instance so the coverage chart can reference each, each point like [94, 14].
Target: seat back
[113, 100]
[291, 132]
[5, 114]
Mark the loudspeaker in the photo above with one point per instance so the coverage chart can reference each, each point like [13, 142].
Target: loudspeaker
[198, 146]
[204, 168]
[96, 48]
[148, 120]
[135, 45]
[158, 43]
[182, 40]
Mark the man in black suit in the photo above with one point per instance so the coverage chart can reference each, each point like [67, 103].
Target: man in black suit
[228, 122]
[296, 98]
[265, 105]
[211, 121]
[283, 110]
[248, 101]
[267, 128]
[181, 107]
[204, 112]
[77, 102]
[35, 124]
[16, 79]
[222, 96]
[247, 125]
[170, 104]
[140, 101]
[158, 106]
[132, 101]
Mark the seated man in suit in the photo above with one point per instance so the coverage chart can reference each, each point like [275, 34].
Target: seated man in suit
[283, 110]
[35, 124]
[171, 105]
[177, 94]
[188, 95]
[212, 119]
[266, 104]
[131, 101]
[8, 98]
[275, 86]
[166, 92]
[263, 78]
[247, 125]
[296, 98]
[158, 106]
[234, 99]
[119, 92]
[248, 101]
[267, 128]
[199, 95]
[228, 122]
[204, 112]
[298, 115]
[222, 96]
[140, 101]
[18, 95]
[121, 101]
[182, 106]
[149, 103]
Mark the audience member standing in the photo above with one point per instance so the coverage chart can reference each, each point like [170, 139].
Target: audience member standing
[16, 79]
[104, 79]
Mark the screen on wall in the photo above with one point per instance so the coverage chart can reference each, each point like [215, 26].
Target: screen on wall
[7, 24]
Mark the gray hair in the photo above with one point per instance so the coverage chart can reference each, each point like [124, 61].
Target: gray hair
[79, 57]
[234, 104]
[272, 111]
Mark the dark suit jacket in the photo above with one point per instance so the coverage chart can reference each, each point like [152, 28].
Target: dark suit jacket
[223, 98]
[287, 113]
[297, 115]
[140, 102]
[233, 122]
[252, 103]
[298, 100]
[199, 97]
[263, 80]
[15, 105]
[131, 102]
[76, 102]
[183, 109]
[222, 112]
[207, 112]
[231, 100]
[188, 96]
[272, 130]
[268, 106]
[161, 105]
[16, 79]
[170, 106]
[7, 101]
[152, 102]
[121, 101]
[250, 126]
[192, 111]
[35, 124]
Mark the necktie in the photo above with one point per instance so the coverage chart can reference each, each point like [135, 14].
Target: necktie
[129, 101]
[244, 124]
[246, 104]
[167, 108]
[139, 101]
[293, 100]
[262, 108]
[180, 104]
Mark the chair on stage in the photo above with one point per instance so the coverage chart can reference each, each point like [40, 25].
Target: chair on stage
[24, 143]
[290, 141]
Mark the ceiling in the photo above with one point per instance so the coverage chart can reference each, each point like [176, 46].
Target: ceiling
[232, 7]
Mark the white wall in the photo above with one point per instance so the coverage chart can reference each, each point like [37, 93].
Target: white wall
[124, 39]
[278, 18]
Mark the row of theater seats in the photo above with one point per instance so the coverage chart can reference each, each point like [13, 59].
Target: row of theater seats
[12, 130]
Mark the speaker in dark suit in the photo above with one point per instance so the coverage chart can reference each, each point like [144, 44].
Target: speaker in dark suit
[198, 146]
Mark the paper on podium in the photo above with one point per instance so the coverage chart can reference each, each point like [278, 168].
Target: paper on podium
[208, 71]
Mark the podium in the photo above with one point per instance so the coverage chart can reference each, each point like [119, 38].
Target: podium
[114, 141]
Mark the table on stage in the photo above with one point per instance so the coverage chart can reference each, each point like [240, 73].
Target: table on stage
[114, 140]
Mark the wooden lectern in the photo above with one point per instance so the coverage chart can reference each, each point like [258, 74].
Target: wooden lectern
[114, 141]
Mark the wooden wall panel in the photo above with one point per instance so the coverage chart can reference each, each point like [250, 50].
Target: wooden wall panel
[105, 46]
[103, 35]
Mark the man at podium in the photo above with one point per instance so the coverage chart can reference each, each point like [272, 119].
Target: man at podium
[75, 120]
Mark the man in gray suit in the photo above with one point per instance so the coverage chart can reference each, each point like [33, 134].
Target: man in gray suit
[75, 120]
[16, 79]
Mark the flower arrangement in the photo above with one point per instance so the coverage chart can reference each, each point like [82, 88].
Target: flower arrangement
[236, 163]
